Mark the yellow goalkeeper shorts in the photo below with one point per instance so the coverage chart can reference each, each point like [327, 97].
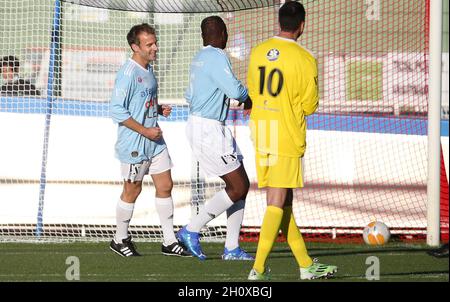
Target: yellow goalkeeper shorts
[279, 171]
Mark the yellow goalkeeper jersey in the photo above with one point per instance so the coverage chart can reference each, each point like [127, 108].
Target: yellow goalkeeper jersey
[282, 83]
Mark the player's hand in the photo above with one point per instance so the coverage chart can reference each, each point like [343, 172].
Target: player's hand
[153, 133]
[166, 110]
[248, 107]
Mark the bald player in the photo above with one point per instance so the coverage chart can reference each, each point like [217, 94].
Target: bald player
[211, 86]
[282, 82]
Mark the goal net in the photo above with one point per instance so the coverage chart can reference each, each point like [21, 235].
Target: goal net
[367, 144]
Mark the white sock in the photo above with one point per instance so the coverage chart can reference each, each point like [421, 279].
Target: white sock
[216, 206]
[235, 215]
[164, 207]
[124, 212]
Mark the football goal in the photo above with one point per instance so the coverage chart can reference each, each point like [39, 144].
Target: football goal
[368, 143]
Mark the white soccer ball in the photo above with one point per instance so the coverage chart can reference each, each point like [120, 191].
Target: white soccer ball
[376, 233]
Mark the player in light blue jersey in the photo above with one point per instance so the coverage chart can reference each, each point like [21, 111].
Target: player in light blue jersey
[212, 85]
[140, 146]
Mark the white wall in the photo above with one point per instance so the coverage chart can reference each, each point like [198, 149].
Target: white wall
[81, 151]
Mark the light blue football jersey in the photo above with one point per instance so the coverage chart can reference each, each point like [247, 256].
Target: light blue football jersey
[211, 85]
[135, 95]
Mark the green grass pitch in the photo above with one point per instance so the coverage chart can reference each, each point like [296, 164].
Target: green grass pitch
[47, 262]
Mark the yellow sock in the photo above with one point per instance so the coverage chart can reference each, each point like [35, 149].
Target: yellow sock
[267, 236]
[294, 238]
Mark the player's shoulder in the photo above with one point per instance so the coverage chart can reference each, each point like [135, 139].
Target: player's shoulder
[274, 47]
[213, 52]
[128, 69]
[306, 53]
[262, 50]
[297, 48]
[262, 46]
[282, 44]
[131, 70]
[301, 54]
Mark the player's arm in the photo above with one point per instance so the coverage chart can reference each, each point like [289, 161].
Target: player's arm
[152, 133]
[223, 76]
[251, 84]
[310, 98]
[188, 93]
[121, 99]
[120, 113]
[247, 106]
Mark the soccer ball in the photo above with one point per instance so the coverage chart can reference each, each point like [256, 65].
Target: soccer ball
[376, 233]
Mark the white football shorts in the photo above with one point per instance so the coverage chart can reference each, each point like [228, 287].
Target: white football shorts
[213, 146]
[158, 164]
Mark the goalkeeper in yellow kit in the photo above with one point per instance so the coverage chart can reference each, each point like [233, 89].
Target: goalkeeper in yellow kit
[282, 82]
